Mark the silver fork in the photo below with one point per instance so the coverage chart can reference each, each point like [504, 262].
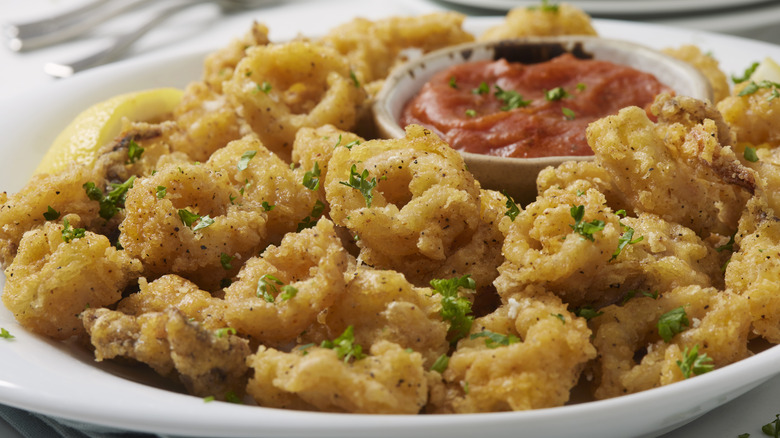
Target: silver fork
[123, 42]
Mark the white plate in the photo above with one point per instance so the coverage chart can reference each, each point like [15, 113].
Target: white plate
[621, 7]
[51, 378]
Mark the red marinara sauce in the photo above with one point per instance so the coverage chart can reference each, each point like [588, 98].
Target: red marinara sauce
[473, 107]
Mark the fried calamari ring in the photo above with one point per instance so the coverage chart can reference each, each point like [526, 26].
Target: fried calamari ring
[267, 181]
[382, 305]
[51, 281]
[279, 294]
[528, 354]
[563, 19]
[219, 66]
[391, 380]
[316, 145]
[168, 223]
[280, 88]
[408, 197]
[208, 363]
[632, 355]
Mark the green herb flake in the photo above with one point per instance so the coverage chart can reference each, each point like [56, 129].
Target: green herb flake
[354, 78]
[544, 7]
[161, 192]
[746, 75]
[69, 234]
[750, 154]
[209, 399]
[311, 220]
[671, 323]
[584, 229]
[625, 239]
[113, 201]
[512, 99]
[753, 87]
[772, 428]
[581, 87]
[311, 178]
[265, 87]
[204, 222]
[568, 113]
[453, 83]
[559, 316]
[51, 214]
[266, 206]
[694, 363]
[483, 88]
[267, 286]
[288, 292]
[187, 217]
[728, 246]
[587, 312]
[440, 364]
[360, 182]
[557, 93]
[243, 163]
[5, 334]
[495, 340]
[454, 308]
[224, 260]
[304, 348]
[134, 152]
[352, 144]
[224, 331]
[232, 397]
[512, 209]
[471, 113]
[345, 346]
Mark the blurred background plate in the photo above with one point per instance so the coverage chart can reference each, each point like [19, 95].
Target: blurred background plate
[623, 8]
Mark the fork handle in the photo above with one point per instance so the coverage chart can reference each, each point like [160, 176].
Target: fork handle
[119, 44]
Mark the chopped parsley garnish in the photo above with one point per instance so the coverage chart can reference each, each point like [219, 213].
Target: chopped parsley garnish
[232, 397]
[556, 93]
[453, 83]
[265, 87]
[512, 209]
[288, 292]
[441, 363]
[224, 260]
[51, 214]
[694, 363]
[345, 346]
[627, 238]
[454, 308]
[311, 220]
[568, 113]
[222, 332]
[266, 206]
[471, 113]
[161, 192]
[584, 229]
[750, 154]
[753, 87]
[134, 152]
[483, 88]
[512, 99]
[544, 7]
[352, 143]
[266, 285]
[587, 312]
[746, 75]
[69, 233]
[243, 163]
[671, 323]
[772, 428]
[188, 218]
[304, 348]
[354, 78]
[311, 178]
[728, 246]
[209, 399]
[495, 340]
[360, 182]
[581, 86]
[559, 316]
[113, 201]
[5, 334]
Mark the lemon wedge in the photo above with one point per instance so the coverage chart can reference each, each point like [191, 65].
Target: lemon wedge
[768, 70]
[101, 123]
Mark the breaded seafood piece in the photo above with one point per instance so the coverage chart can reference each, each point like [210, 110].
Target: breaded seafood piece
[707, 65]
[220, 65]
[754, 269]
[544, 20]
[266, 180]
[205, 122]
[280, 88]
[414, 192]
[390, 380]
[52, 280]
[382, 305]
[573, 172]
[179, 293]
[373, 48]
[208, 363]
[679, 168]
[278, 294]
[23, 211]
[753, 116]
[182, 219]
[528, 354]
[316, 145]
[634, 357]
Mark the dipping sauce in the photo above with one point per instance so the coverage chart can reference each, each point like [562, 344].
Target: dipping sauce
[527, 110]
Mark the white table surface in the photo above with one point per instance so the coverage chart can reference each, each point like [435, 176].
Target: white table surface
[203, 26]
